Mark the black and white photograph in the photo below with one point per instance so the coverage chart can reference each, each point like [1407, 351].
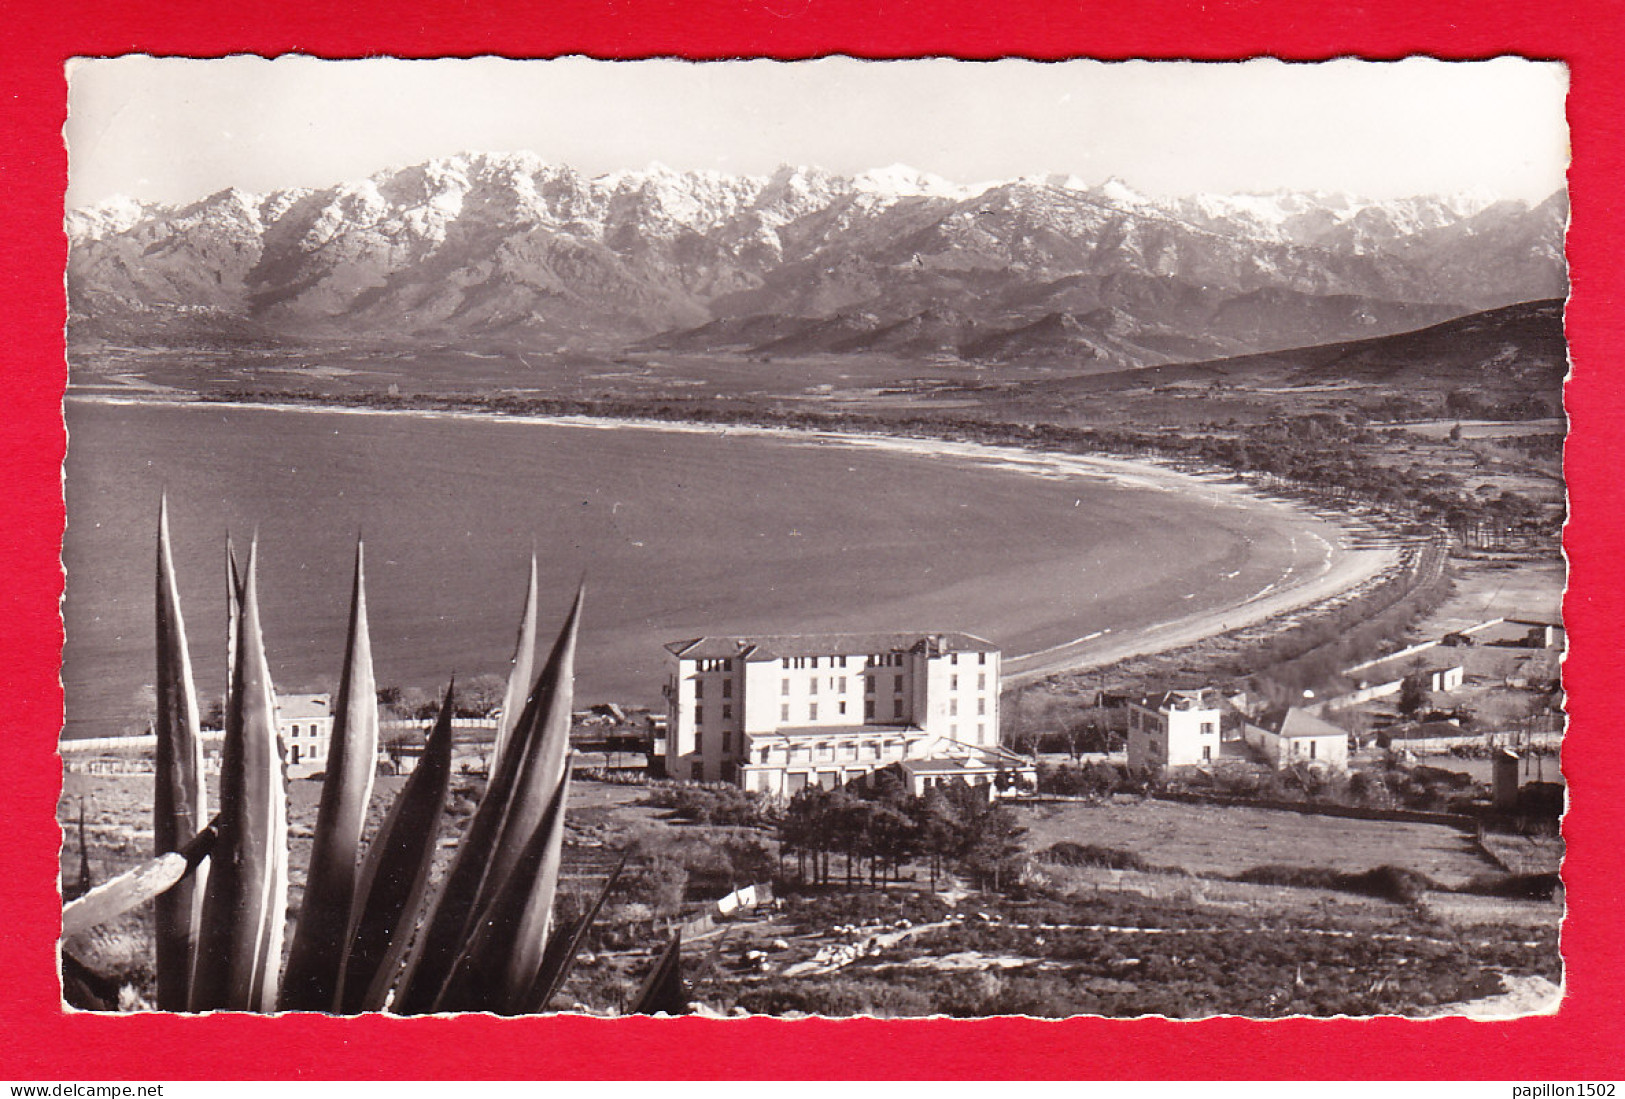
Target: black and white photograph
[814, 538]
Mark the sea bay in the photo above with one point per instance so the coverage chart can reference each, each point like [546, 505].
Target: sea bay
[677, 533]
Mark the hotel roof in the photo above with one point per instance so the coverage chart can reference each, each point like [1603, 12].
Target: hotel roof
[780, 646]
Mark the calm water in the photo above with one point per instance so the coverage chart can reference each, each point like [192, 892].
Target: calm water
[677, 534]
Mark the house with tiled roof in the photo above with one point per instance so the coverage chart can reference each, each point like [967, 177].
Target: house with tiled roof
[1291, 736]
[778, 714]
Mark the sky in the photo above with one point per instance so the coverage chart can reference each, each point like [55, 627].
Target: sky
[173, 129]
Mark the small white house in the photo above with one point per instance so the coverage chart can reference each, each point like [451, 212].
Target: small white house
[1286, 738]
[1173, 730]
[305, 724]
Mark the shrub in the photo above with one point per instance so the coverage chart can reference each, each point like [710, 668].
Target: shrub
[1066, 853]
[1392, 883]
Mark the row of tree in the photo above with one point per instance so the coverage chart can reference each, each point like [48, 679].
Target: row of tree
[878, 828]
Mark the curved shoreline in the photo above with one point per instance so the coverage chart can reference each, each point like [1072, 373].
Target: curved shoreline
[1340, 568]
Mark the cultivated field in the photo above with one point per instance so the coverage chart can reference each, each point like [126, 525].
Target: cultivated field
[1221, 840]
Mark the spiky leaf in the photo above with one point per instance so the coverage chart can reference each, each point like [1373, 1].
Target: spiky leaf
[245, 904]
[663, 992]
[179, 796]
[524, 666]
[504, 950]
[564, 946]
[321, 935]
[234, 612]
[396, 875]
[521, 786]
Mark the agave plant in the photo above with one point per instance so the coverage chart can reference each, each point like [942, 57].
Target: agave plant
[365, 939]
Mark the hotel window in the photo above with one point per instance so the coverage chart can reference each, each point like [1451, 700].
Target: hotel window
[953, 683]
[953, 658]
[812, 685]
[840, 707]
[1207, 728]
[953, 707]
[784, 686]
[784, 712]
[897, 685]
[293, 730]
[727, 742]
[812, 711]
[869, 684]
[727, 711]
[842, 682]
[764, 755]
[842, 661]
[869, 709]
[896, 707]
[981, 681]
[981, 732]
[699, 715]
[699, 742]
[981, 658]
[699, 688]
[727, 688]
[953, 731]
[981, 707]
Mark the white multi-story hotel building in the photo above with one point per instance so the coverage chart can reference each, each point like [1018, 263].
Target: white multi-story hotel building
[780, 714]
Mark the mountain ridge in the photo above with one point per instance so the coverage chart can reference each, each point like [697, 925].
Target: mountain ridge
[515, 249]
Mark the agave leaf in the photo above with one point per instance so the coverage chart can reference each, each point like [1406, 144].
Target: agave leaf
[545, 741]
[87, 881]
[234, 612]
[663, 991]
[246, 901]
[146, 882]
[521, 774]
[504, 951]
[396, 875]
[320, 938]
[524, 666]
[179, 797]
[564, 946]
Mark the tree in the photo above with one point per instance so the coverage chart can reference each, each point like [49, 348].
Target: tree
[991, 840]
[1414, 696]
[938, 830]
[482, 694]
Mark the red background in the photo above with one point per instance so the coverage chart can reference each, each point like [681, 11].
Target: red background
[1584, 1040]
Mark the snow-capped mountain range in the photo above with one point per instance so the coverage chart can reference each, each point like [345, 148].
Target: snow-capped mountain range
[511, 249]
